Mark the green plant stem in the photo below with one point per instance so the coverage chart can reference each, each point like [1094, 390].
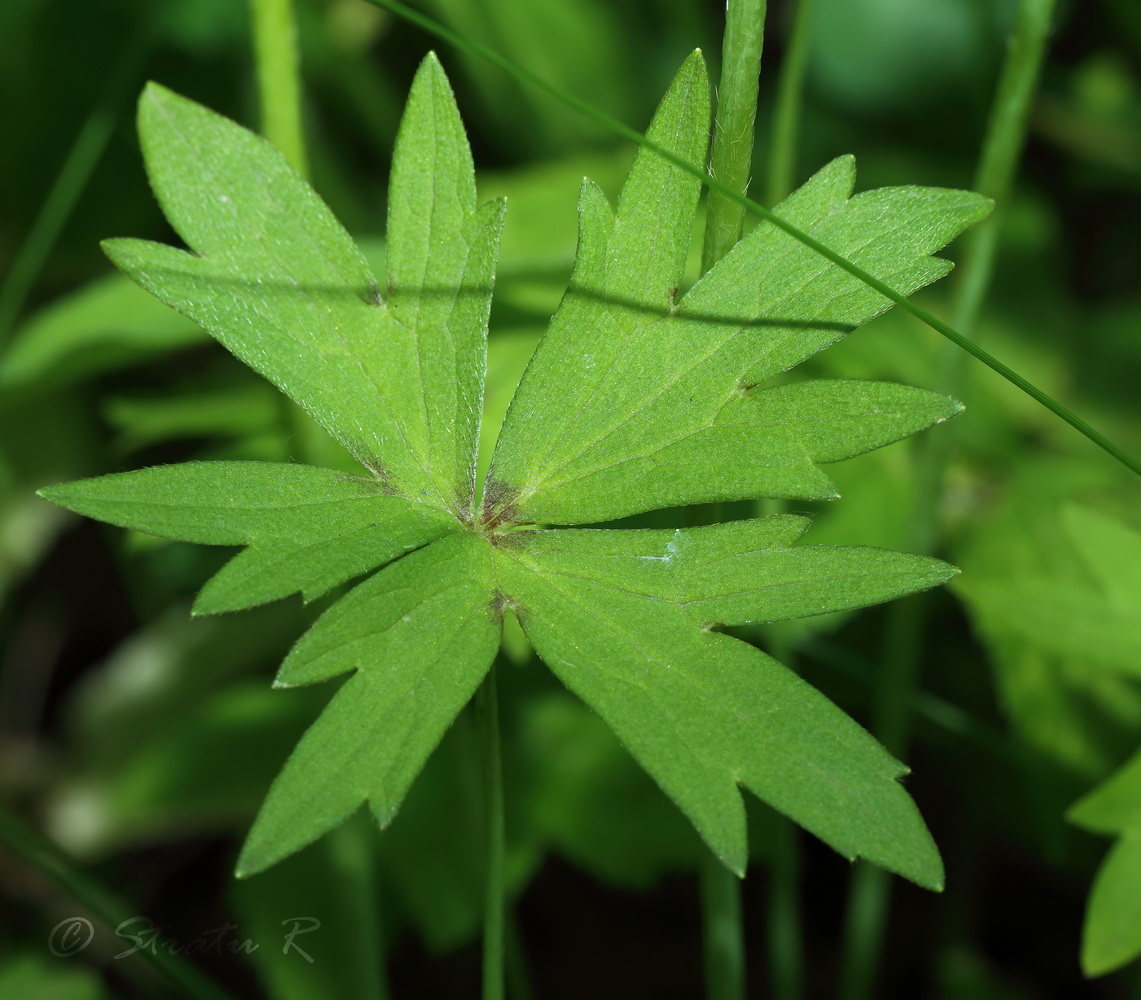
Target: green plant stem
[731, 160]
[493, 57]
[81, 160]
[517, 978]
[279, 79]
[784, 935]
[907, 621]
[732, 156]
[1002, 149]
[487, 720]
[783, 924]
[790, 95]
[44, 856]
[353, 861]
[278, 71]
[722, 937]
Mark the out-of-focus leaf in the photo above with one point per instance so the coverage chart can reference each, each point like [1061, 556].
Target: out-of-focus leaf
[1066, 655]
[588, 800]
[244, 409]
[316, 920]
[573, 47]
[1111, 936]
[1115, 805]
[206, 770]
[106, 325]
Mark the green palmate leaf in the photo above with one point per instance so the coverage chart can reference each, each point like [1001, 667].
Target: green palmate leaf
[307, 529]
[276, 279]
[613, 613]
[634, 400]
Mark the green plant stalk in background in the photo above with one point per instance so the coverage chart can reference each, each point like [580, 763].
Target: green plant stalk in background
[279, 79]
[784, 930]
[81, 160]
[897, 679]
[786, 115]
[487, 720]
[944, 329]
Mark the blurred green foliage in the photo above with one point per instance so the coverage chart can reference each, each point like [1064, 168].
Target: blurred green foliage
[143, 741]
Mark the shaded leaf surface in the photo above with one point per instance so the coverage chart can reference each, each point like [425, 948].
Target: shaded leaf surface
[703, 712]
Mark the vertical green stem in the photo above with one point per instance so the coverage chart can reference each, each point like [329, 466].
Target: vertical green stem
[783, 930]
[278, 71]
[784, 935]
[790, 93]
[1002, 149]
[898, 679]
[732, 155]
[72, 178]
[487, 719]
[722, 938]
[517, 977]
[279, 79]
[783, 924]
[352, 854]
[731, 160]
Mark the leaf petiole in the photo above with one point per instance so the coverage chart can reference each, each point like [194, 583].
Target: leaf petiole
[487, 722]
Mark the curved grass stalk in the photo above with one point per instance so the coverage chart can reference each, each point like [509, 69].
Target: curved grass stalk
[944, 329]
